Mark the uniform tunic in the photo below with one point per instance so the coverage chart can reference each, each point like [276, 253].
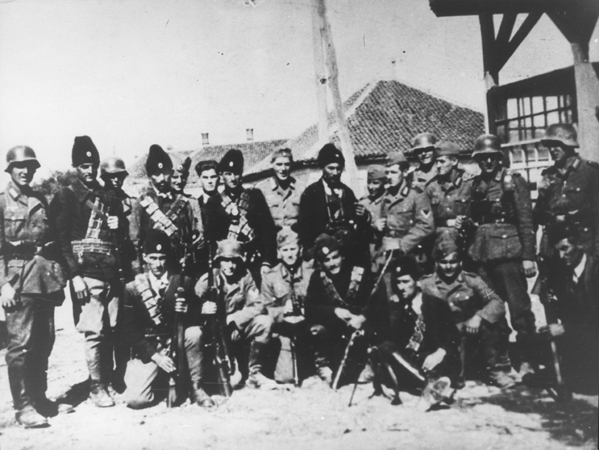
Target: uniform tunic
[449, 197]
[283, 203]
[278, 285]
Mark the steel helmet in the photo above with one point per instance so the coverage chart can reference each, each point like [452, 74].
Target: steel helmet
[423, 141]
[229, 249]
[21, 153]
[113, 165]
[487, 143]
[563, 133]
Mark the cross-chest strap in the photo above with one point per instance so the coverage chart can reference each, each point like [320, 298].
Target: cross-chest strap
[239, 229]
[149, 299]
[352, 291]
[161, 221]
[96, 218]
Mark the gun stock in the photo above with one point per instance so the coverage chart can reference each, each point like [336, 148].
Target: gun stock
[178, 380]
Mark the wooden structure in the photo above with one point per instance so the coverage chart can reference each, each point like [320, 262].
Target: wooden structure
[576, 19]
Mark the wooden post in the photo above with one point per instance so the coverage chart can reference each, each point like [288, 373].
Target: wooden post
[487, 29]
[351, 170]
[320, 79]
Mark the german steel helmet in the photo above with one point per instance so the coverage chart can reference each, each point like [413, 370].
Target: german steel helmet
[423, 141]
[113, 165]
[21, 153]
[229, 249]
[487, 143]
[563, 133]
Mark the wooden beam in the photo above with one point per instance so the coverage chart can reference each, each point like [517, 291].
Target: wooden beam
[448, 8]
[510, 47]
[320, 74]
[505, 29]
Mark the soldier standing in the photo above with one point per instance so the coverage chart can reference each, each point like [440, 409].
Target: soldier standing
[180, 174]
[242, 214]
[568, 192]
[281, 191]
[503, 247]
[161, 208]
[241, 308]
[329, 206]
[284, 291]
[376, 179]
[424, 148]
[406, 219]
[209, 180]
[478, 311]
[90, 229]
[32, 286]
[151, 302]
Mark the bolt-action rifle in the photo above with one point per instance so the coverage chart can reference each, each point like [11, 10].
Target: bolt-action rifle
[177, 388]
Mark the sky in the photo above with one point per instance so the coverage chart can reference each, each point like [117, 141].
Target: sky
[132, 73]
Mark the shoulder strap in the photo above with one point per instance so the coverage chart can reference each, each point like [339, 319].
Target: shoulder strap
[96, 218]
[159, 219]
[148, 298]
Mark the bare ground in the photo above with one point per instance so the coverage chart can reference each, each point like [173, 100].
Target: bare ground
[310, 417]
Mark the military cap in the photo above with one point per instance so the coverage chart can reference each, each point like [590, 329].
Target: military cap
[329, 154]
[325, 244]
[229, 249]
[158, 160]
[21, 153]
[84, 152]
[396, 158]
[209, 164]
[405, 265]
[424, 141]
[232, 162]
[563, 133]
[181, 165]
[376, 172]
[446, 243]
[563, 230]
[113, 165]
[446, 148]
[157, 241]
[487, 144]
[286, 236]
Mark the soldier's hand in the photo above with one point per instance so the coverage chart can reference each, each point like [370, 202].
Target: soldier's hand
[343, 314]
[80, 288]
[209, 308]
[530, 268]
[9, 296]
[288, 308]
[112, 222]
[360, 209]
[264, 269]
[293, 319]
[356, 321]
[180, 305]
[164, 362]
[458, 221]
[380, 224]
[434, 359]
[552, 330]
[473, 325]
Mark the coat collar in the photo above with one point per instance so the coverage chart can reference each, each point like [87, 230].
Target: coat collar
[274, 185]
[82, 191]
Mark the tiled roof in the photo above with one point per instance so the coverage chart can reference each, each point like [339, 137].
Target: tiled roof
[384, 116]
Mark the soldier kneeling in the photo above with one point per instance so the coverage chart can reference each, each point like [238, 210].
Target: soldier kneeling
[152, 302]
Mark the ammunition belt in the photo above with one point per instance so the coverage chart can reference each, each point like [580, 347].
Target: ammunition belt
[92, 246]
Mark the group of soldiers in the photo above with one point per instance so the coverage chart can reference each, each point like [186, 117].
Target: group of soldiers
[407, 287]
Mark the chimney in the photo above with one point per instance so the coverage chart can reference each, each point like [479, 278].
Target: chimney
[250, 134]
[205, 139]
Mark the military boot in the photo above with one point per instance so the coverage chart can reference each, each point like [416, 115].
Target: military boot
[202, 399]
[30, 418]
[256, 379]
[99, 395]
[501, 379]
[325, 374]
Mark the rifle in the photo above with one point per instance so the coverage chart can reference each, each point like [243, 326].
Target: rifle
[217, 338]
[177, 385]
[297, 311]
[360, 333]
[561, 391]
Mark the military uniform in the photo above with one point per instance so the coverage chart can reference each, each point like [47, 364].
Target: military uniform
[571, 197]
[449, 198]
[283, 203]
[422, 178]
[28, 263]
[504, 238]
[89, 248]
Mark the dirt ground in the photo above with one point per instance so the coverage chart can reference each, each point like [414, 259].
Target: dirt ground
[310, 417]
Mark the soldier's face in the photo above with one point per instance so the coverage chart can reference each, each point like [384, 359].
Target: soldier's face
[406, 287]
[156, 262]
[426, 156]
[570, 253]
[394, 175]
[114, 180]
[87, 172]
[332, 173]
[375, 187]
[209, 180]
[332, 262]
[445, 164]
[228, 267]
[557, 152]
[232, 180]
[178, 181]
[489, 163]
[449, 266]
[289, 253]
[282, 167]
[22, 173]
[161, 180]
